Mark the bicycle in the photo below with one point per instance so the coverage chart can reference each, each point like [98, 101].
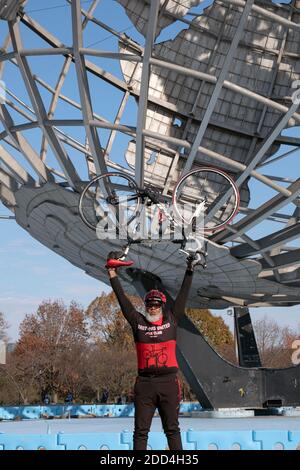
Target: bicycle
[204, 194]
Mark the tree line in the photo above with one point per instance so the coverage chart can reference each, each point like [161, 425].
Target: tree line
[65, 350]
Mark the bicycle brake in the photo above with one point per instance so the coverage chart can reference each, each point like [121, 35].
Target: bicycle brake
[198, 255]
[121, 255]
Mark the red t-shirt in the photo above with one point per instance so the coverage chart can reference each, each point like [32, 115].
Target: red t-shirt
[155, 341]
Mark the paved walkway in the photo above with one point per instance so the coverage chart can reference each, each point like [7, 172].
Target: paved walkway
[82, 425]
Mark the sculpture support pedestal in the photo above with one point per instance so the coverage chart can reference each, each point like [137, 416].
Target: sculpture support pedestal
[216, 382]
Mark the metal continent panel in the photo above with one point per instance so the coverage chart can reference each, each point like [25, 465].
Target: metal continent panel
[237, 121]
[256, 43]
[138, 12]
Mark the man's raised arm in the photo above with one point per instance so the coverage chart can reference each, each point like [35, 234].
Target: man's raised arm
[182, 296]
[126, 306]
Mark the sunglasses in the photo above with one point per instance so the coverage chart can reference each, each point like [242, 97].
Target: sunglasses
[153, 304]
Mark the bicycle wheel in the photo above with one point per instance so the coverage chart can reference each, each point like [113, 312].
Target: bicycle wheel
[113, 195]
[207, 197]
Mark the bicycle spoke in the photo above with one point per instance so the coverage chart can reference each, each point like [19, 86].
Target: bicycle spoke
[218, 203]
[216, 189]
[112, 195]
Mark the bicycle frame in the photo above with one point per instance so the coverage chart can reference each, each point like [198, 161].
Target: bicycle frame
[158, 199]
[188, 233]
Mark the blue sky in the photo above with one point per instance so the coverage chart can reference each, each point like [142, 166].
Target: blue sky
[32, 272]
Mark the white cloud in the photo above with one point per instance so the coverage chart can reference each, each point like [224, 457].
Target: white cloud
[40, 270]
[8, 300]
[15, 308]
[86, 289]
[26, 247]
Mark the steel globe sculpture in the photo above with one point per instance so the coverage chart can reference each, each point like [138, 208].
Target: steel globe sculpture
[220, 89]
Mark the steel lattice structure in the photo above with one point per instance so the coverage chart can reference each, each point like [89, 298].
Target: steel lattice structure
[221, 92]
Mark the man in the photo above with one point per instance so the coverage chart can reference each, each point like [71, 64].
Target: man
[154, 334]
[105, 395]
[69, 398]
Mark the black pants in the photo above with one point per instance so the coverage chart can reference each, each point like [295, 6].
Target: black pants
[162, 393]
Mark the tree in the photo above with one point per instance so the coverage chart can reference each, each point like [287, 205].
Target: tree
[274, 343]
[111, 368]
[112, 360]
[107, 323]
[215, 331]
[51, 350]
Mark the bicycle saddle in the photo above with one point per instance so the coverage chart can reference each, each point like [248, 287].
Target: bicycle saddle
[117, 263]
[115, 259]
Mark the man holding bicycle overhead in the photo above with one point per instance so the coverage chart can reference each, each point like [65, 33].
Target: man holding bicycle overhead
[154, 334]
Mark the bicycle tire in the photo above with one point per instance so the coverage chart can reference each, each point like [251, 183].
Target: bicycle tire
[133, 187]
[178, 200]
